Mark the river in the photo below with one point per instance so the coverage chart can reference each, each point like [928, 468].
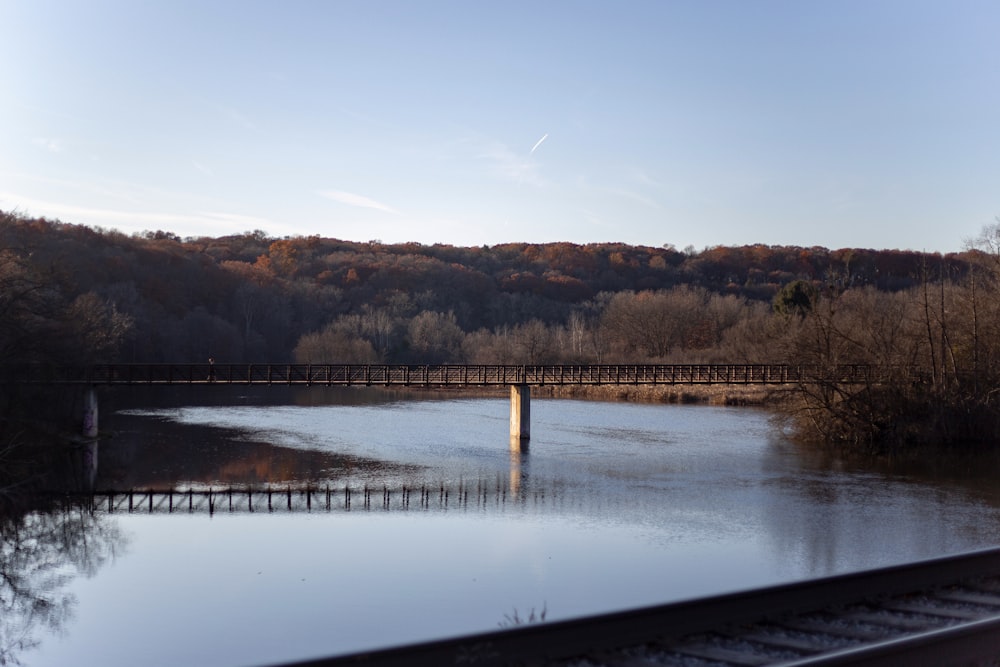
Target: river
[612, 506]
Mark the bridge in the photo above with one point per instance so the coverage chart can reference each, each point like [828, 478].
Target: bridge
[445, 375]
[520, 378]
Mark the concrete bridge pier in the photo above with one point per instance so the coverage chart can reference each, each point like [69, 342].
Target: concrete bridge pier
[520, 412]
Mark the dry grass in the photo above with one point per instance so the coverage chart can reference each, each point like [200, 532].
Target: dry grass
[749, 395]
[714, 394]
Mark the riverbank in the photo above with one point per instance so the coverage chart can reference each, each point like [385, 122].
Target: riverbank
[685, 394]
[734, 395]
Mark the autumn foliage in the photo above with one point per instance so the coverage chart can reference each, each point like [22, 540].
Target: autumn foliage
[253, 297]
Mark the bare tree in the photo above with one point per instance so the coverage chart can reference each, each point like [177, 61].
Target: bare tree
[534, 343]
[335, 344]
[435, 337]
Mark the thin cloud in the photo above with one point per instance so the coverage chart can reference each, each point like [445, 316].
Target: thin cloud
[88, 215]
[634, 196]
[134, 221]
[202, 168]
[52, 113]
[237, 118]
[498, 159]
[237, 221]
[46, 143]
[360, 201]
[510, 166]
[640, 176]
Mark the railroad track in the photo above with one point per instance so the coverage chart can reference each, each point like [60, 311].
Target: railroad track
[944, 611]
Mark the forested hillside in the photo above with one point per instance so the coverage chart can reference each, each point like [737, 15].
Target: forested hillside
[251, 297]
[929, 323]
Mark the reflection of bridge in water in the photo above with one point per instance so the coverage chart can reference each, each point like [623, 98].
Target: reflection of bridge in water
[479, 494]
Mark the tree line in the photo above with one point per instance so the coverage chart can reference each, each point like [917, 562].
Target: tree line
[253, 297]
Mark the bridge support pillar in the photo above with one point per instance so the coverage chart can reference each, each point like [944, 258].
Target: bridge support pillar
[520, 411]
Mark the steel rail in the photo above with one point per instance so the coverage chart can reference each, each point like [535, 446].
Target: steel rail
[671, 634]
[971, 643]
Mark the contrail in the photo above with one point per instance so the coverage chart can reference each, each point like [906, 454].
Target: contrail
[539, 142]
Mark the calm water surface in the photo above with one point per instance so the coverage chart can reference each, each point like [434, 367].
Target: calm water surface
[612, 506]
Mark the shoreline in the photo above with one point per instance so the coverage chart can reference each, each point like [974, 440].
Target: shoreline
[693, 394]
[729, 395]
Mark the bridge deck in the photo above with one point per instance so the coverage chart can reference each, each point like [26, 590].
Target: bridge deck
[445, 375]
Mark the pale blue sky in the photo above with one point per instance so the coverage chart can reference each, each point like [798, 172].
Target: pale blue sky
[872, 123]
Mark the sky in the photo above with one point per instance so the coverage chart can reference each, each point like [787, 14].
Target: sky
[847, 123]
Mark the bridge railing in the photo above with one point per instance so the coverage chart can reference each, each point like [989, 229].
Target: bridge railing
[442, 375]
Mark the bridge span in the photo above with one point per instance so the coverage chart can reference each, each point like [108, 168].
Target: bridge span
[520, 378]
[445, 375]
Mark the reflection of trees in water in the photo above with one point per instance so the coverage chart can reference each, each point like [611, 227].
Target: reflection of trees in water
[40, 554]
[834, 510]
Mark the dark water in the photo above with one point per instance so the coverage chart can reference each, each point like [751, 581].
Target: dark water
[612, 506]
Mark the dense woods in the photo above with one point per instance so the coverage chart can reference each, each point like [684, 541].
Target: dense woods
[70, 293]
[156, 297]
